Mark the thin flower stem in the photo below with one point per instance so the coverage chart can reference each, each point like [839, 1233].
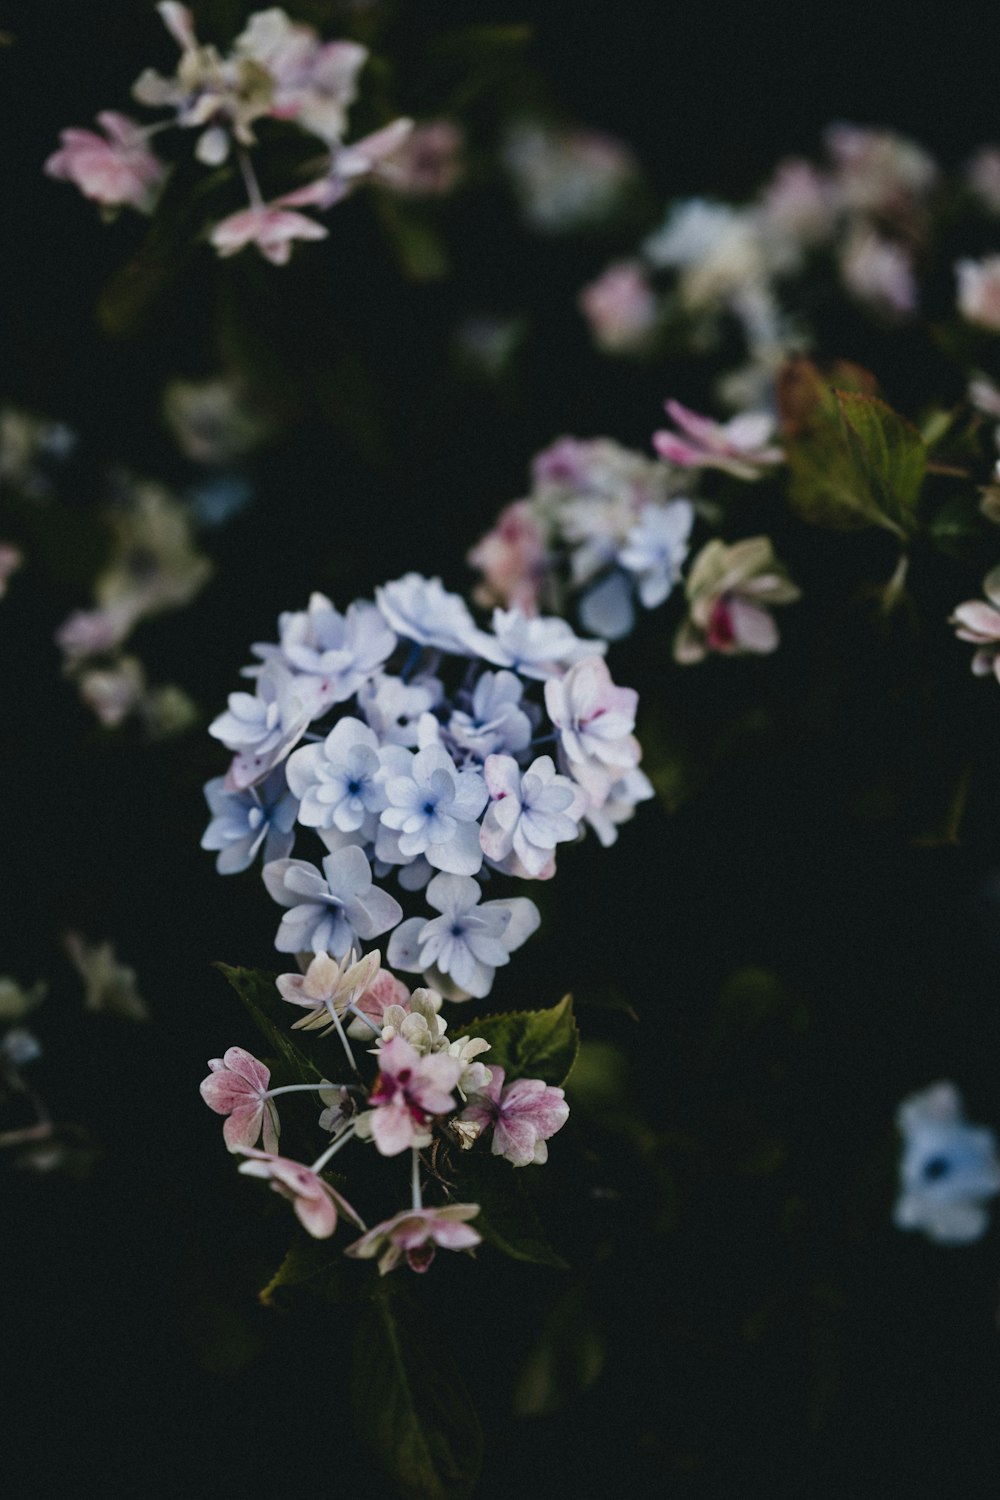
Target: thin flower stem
[362, 1017]
[342, 1139]
[418, 1201]
[342, 1034]
[250, 178]
[295, 1088]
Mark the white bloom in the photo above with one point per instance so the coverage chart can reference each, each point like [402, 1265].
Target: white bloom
[423, 611]
[948, 1168]
[656, 548]
[460, 950]
[536, 646]
[262, 728]
[332, 911]
[434, 808]
[530, 811]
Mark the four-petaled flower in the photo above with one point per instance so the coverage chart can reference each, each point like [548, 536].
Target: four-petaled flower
[331, 911]
[434, 809]
[523, 1115]
[243, 821]
[316, 1203]
[237, 1087]
[416, 1233]
[459, 951]
[409, 1091]
[530, 812]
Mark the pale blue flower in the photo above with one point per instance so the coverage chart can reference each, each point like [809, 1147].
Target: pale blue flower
[338, 780]
[261, 728]
[656, 548]
[948, 1168]
[496, 720]
[534, 645]
[460, 951]
[434, 808]
[423, 611]
[530, 812]
[243, 822]
[393, 708]
[334, 653]
[330, 912]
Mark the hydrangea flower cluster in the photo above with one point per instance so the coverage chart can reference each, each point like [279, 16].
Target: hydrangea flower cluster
[428, 1090]
[277, 70]
[948, 1170]
[448, 754]
[606, 528]
[865, 218]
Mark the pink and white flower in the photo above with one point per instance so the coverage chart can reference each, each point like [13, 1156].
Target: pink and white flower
[237, 1087]
[980, 623]
[621, 308]
[979, 291]
[513, 559]
[416, 1233]
[316, 1203]
[327, 987]
[523, 1115]
[272, 227]
[739, 447]
[116, 170]
[529, 812]
[595, 720]
[730, 591]
[409, 1091]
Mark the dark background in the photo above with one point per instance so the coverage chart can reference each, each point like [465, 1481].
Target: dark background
[763, 1322]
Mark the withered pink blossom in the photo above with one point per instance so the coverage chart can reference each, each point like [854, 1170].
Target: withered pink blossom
[237, 1087]
[408, 1092]
[327, 987]
[513, 559]
[416, 1233]
[980, 623]
[739, 447]
[523, 1116]
[316, 1203]
[116, 169]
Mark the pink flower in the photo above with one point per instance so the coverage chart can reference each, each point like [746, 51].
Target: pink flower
[316, 1202]
[512, 558]
[408, 1091]
[980, 624]
[621, 308]
[114, 171]
[729, 591]
[428, 162]
[237, 1087]
[739, 446]
[270, 226]
[979, 291]
[384, 990]
[524, 1115]
[417, 1232]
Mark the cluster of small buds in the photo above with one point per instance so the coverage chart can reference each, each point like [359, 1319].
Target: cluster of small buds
[604, 527]
[154, 566]
[867, 208]
[428, 1089]
[948, 1169]
[277, 70]
[454, 752]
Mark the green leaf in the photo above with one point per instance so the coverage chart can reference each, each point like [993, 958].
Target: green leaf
[506, 1220]
[411, 1406]
[310, 1265]
[854, 461]
[259, 995]
[531, 1043]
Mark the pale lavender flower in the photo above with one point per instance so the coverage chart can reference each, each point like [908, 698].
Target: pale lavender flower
[261, 729]
[332, 911]
[244, 822]
[595, 719]
[740, 447]
[115, 170]
[979, 291]
[237, 1087]
[316, 1203]
[338, 781]
[566, 178]
[880, 272]
[523, 1115]
[621, 308]
[114, 692]
[459, 951]
[800, 203]
[423, 611]
[619, 805]
[427, 164]
[409, 1091]
[879, 172]
[416, 1233]
[496, 721]
[948, 1168]
[655, 549]
[529, 813]
[538, 646]
[434, 808]
[333, 653]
